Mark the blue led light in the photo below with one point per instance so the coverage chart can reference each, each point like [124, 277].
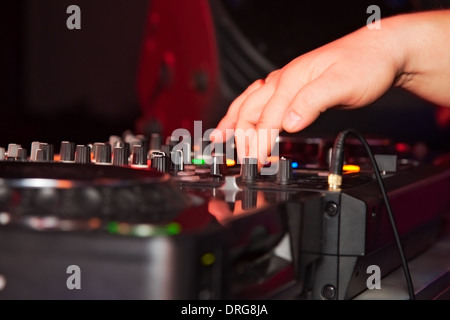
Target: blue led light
[294, 165]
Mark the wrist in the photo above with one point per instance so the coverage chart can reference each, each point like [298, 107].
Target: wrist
[424, 67]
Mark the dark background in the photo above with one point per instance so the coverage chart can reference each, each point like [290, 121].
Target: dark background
[59, 84]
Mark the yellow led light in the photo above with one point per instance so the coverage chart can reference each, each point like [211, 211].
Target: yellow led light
[351, 168]
[230, 162]
[208, 259]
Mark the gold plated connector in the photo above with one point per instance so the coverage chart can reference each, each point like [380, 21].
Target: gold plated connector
[334, 181]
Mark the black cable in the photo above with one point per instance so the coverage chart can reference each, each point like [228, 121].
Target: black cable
[336, 164]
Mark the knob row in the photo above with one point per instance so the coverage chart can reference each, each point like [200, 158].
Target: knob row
[249, 170]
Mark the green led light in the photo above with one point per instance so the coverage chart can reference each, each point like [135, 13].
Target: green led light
[173, 228]
[143, 230]
[113, 227]
[208, 259]
[198, 161]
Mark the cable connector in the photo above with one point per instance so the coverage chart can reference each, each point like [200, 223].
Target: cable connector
[337, 161]
[334, 181]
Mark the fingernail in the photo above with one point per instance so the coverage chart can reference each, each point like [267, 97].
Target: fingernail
[292, 122]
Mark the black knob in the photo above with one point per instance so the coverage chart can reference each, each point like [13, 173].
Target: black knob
[12, 150]
[159, 162]
[135, 143]
[120, 156]
[51, 152]
[22, 154]
[46, 153]
[67, 151]
[33, 151]
[284, 173]
[125, 146]
[187, 154]
[138, 156]
[144, 142]
[102, 154]
[176, 161]
[40, 155]
[249, 169]
[215, 166]
[82, 154]
[218, 166]
[94, 148]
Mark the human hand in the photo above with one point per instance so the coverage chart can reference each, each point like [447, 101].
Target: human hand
[350, 72]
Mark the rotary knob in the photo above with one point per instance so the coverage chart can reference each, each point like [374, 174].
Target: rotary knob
[45, 153]
[159, 162]
[138, 156]
[67, 151]
[102, 153]
[176, 161]
[219, 166]
[22, 154]
[126, 147]
[82, 154]
[13, 150]
[120, 156]
[249, 169]
[215, 166]
[284, 173]
[33, 151]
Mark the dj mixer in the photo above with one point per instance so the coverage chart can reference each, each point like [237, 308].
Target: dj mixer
[136, 218]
